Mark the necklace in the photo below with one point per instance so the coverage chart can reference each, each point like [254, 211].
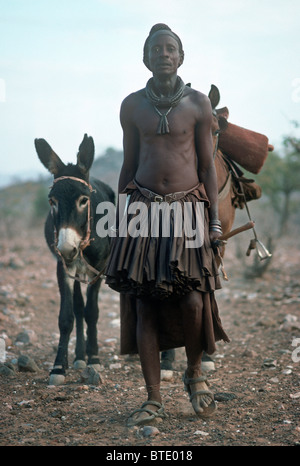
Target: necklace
[163, 125]
[164, 102]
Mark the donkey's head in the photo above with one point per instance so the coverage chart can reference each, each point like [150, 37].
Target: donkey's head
[69, 196]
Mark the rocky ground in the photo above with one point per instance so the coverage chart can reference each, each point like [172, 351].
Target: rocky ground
[256, 376]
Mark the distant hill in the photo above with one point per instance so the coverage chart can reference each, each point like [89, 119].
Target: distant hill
[107, 167]
[28, 201]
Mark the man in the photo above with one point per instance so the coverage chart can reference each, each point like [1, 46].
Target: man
[167, 289]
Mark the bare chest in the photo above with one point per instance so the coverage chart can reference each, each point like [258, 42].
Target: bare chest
[181, 120]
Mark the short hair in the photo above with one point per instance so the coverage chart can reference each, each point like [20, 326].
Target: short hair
[154, 29]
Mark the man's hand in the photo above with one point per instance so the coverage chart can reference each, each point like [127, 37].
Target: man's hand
[215, 231]
[214, 235]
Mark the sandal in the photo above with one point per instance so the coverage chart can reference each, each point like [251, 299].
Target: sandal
[153, 415]
[207, 411]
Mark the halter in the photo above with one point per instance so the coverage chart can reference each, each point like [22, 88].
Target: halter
[75, 179]
[84, 243]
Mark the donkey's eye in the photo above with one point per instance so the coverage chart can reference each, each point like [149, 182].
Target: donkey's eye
[53, 202]
[82, 201]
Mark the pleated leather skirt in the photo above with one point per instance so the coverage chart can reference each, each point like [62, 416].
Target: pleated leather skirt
[162, 269]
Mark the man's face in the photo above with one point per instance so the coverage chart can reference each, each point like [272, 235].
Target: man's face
[164, 55]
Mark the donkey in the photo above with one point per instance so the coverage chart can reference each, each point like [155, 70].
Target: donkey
[70, 232]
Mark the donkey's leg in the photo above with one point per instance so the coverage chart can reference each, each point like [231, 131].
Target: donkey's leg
[78, 305]
[167, 359]
[65, 323]
[91, 318]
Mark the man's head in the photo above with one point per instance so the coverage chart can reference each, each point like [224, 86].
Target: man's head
[160, 29]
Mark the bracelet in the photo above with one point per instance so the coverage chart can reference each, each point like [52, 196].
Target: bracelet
[215, 228]
[215, 222]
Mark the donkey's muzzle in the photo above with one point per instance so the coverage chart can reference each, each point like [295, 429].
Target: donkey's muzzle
[68, 244]
[68, 251]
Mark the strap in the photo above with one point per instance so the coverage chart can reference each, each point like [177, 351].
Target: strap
[226, 188]
[154, 403]
[159, 413]
[188, 381]
[202, 392]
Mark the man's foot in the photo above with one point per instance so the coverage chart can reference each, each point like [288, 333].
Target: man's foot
[201, 398]
[150, 412]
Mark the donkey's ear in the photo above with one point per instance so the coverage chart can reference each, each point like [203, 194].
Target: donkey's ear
[223, 123]
[214, 96]
[85, 156]
[48, 157]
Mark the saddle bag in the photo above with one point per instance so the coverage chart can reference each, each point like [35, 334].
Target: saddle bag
[247, 148]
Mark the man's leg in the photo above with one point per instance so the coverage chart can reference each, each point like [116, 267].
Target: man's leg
[192, 312]
[148, 347]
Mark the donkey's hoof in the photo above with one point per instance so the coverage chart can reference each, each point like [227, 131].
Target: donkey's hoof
[79, 364]
[57, 379]
[57, 376]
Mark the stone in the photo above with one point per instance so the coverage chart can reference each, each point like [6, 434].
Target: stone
[114, 366]
[7, 370]
[269, 362]
[90, 376]
[295, 396]
[201, 432]
[207, 363]
[115, 323]
[16, 263]
[23, 337]
[290, 318]
[266, 322]
[249, 353]
[150, 431]
[166, 375]
[110, 342]
[289, 326]
[27, 364]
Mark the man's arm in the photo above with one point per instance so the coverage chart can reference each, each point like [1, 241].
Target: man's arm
[130, 143]
[130, 147]
[206, 166]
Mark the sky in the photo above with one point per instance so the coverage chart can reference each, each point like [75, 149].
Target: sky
[66, 66]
